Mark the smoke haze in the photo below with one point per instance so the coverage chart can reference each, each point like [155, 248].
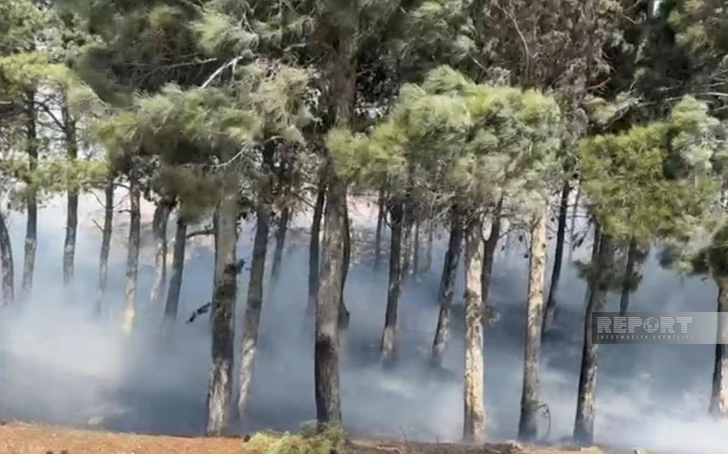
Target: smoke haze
[58, 366]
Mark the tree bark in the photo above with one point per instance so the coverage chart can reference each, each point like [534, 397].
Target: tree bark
[572, 228]
[407, 237]
[474, 426]
[449, 273]
[283, 222]
[223, 319]
[219, 264]
[719, 390]
[178, 266]
[132, 257]
[388, 347]
[31, 229]
[528, 426]
[380, 227]
[6, 260]
[328, 304]
[343, 311]
[597, 237]
[558, 257]
[491, 245]
[314, 249]
[627, 280]
[254, 304]
[69, 245]
[105, 246]
[416, 249]
[586, 398]
[159, 227]
[428, 249]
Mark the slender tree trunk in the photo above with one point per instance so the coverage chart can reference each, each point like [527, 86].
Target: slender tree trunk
[283, 222]
[380, 227]
[572, 228]
[343, 311]
[407, 244]
[719, 392]
[223, 319]
[159, 226]
[528, 426]
[428, 249]
[132, 258]
[416, 250]
[558, 257]
[314, 249]
[491, 244]
[474, 426]
[69, 245]
[6, 260]
[105, 246]
[594, 256]
[627, 281]
[178, 266]
[254, 305]
[388, 348]
[586, 398]
[450, 264]
[31, 229]
[452, 257]
[219, 264]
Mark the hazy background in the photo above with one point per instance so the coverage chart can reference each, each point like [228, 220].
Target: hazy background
[57, 366]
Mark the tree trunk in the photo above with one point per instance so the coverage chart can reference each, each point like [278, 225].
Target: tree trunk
[105, 246]
[474, 426]
[491, 244]
[586, 398]
[343, 311]
[449, 273]
[428, 249]
[328, 304]
[223, 319]
[572, 228]
[31, 229]
[6, 260]
[178, 266]
[132, 257]
[528, 426]
[450, 263]
[380, 227]
[594, 256]
[159, 227]
[407, 244]
[254, 304]
[314, 249]
[558, 257]
[219, 264]
[69, 244]
[416, 250]
[283, 222]
[388, 347]
[719, 392]
[627, 280]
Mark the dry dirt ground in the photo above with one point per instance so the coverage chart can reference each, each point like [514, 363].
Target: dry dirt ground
[22, 438]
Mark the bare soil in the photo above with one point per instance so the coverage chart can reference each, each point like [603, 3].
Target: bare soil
[22, 438]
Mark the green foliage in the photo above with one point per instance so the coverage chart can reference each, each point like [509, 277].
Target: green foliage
[655, 180]
[313, 440]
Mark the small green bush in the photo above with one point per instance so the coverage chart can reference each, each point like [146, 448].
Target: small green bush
[314, 439]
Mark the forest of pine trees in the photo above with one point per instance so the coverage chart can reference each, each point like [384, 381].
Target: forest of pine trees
[468, 119]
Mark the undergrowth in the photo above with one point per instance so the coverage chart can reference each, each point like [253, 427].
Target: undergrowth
[312, 440]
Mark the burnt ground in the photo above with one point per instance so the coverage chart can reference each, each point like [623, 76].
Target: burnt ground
[23, 438]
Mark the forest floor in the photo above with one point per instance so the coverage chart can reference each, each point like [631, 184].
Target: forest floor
[22, 438]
